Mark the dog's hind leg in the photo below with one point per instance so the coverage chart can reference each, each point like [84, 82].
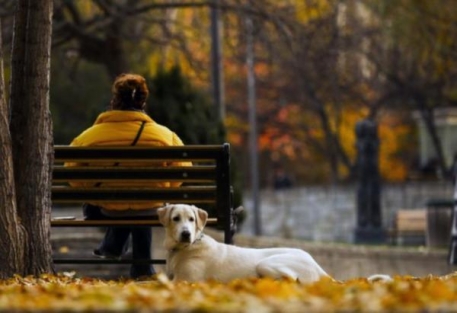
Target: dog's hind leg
[264, 269]
[275, 267]
[287, 266]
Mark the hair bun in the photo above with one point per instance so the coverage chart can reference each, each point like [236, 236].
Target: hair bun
[129, 92]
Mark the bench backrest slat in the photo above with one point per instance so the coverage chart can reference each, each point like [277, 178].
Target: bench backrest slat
[183, 195]
[101, 174]
[138, 153]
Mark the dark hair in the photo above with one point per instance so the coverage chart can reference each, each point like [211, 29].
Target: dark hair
[129, 92]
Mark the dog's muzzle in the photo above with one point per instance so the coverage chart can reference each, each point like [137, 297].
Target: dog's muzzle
[185, 236]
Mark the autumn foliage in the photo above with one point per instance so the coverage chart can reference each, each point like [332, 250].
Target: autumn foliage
[320, 66]
[67, 293]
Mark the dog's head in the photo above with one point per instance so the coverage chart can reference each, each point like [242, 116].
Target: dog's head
[183, 224]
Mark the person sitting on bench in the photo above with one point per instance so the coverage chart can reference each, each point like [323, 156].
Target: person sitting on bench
[126, 124]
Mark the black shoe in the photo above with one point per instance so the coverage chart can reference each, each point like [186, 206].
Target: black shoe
[142, 272]
[145, 278]
[105, 255]
[127, 255]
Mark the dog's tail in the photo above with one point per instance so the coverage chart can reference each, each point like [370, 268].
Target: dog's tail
[371, 279]
[379, 277]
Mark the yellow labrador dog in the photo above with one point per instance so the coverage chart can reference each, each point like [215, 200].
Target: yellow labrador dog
[194, 256]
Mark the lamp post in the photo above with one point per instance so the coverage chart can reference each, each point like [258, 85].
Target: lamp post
[253, 149]
[216, 61]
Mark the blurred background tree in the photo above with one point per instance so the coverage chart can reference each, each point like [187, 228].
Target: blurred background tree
[186, 110]
[321, 65]
[417, 59]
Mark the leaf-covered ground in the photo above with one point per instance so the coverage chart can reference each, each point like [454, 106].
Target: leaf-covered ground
[67, 293]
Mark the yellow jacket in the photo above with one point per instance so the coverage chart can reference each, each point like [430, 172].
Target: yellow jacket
[119, 128]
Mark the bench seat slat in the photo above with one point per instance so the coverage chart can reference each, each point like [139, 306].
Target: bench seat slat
[106, 261]
[103, 223]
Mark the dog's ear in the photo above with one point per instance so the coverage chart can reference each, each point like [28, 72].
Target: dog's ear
[164, 214]
[202, 217]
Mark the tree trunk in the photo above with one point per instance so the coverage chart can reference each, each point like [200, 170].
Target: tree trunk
[108, 51]
[115, 61]
[428, 117]
[31, 129]
[11, 232]
[330, 144]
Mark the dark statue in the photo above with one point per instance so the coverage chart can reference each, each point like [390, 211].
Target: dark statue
[369, 220]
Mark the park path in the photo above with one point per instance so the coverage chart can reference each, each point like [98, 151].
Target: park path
[342, 261]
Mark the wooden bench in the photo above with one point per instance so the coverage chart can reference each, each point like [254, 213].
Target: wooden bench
[205, 184]
[409, 223]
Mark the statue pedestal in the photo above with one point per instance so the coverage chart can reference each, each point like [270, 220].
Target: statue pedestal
[370, 235]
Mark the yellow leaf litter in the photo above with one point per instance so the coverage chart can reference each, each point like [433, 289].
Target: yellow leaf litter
[64, 292]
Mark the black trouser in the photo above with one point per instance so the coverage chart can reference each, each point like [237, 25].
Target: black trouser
[115, 242]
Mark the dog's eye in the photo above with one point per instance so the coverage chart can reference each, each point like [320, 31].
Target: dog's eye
[191, 219]
[176, 218]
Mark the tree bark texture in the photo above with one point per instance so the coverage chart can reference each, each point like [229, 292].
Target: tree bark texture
[31, 129]
[11, 232]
